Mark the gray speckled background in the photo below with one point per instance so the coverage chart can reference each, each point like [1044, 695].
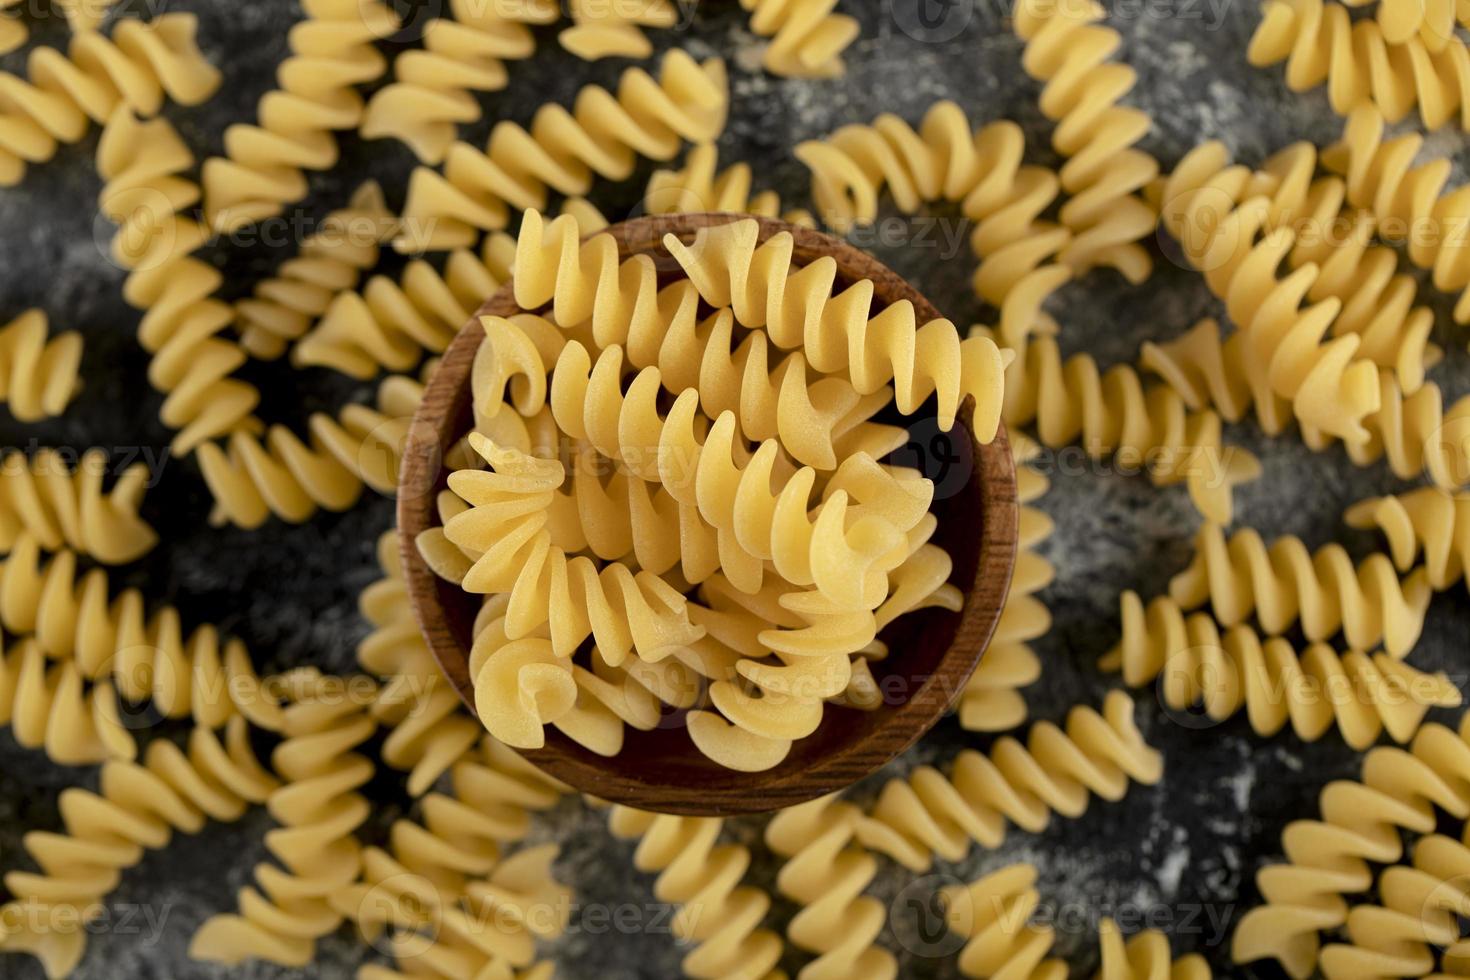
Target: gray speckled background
[1193, 842]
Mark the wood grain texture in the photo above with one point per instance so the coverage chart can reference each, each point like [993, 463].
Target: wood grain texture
[933, 653]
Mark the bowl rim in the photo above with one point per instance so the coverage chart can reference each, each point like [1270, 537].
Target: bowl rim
[992, 475]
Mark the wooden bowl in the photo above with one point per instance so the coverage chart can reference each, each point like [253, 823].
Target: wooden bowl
[933, 651]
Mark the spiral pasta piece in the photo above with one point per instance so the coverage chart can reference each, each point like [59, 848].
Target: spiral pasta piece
[38, 377]
[191, 364]
[48, 707]
[1226, 231]
[1427, 521]
[1113, 414]
[602, 134]
[1284, 583]
[601, 30]
[429, 730]
[695, 871]
[1433, 22]
[1271, 679]
[945, 161]
[332, 52]
[112, 643]
[140, 65]
[13, 30]
[807, 36]
[1068, 49]
[463, 52]
[388, 325]
[329, 262]
[1056, 770]
[1381, 177]
[64, 506]
[991, 700]
[1416, 914]
[825, 873]
[700, 186]
[137, 808]
[1320, 43]
[282, 475]
[1146, 956]
[798, 309]
[318, 807]
[1361, 821]
[993, 914]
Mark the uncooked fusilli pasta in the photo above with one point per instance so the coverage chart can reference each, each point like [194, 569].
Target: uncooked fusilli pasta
[261, 171]
[807, 36]
[140, 65]
[700, 186]
[602, 29]
[1284, 583]
[1361, 821]
[38, 375]
[1268, 676]
[1361, 65]
[329, 262]
[1068, 50]
[720, 914]
[603, 133]
[64, 506]
[1426, 520]
[1055, 770]
[138, 807]
[463, 52]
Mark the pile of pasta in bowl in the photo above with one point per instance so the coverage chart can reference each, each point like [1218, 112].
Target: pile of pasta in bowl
[678, 493]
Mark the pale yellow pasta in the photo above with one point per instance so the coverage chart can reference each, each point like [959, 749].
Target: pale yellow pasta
[429, 729]
[388, 324]
[994, 915]
[318, 807]
[1320, 42]
[700, 186]
[1145, 956]
[283, 475]
[1417, 913]
[1113, 414]
[1069, 50]
[464, 51]
[1194, 663]
[140, 65]
[720, 916]
[329, 261]
[807, 36]
[1057, 769]
[49, 706]
[1426, 520]
[183, 318]
[1415, 431]
[38, 375]
[136, 809]
[262, 169]
[610, 28]
[991, 700]
[13, 30]
[1283, 583]
[1231, 231]
[603, 134]
[1381, 177]
[1022, 257]
[825, 873]
[1361, 821]
[798, 308]
[113, 642]
[62, 505]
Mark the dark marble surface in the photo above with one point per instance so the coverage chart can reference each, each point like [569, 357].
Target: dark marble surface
[1183, 852]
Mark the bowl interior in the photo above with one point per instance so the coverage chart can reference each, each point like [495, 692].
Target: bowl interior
[932, 652]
